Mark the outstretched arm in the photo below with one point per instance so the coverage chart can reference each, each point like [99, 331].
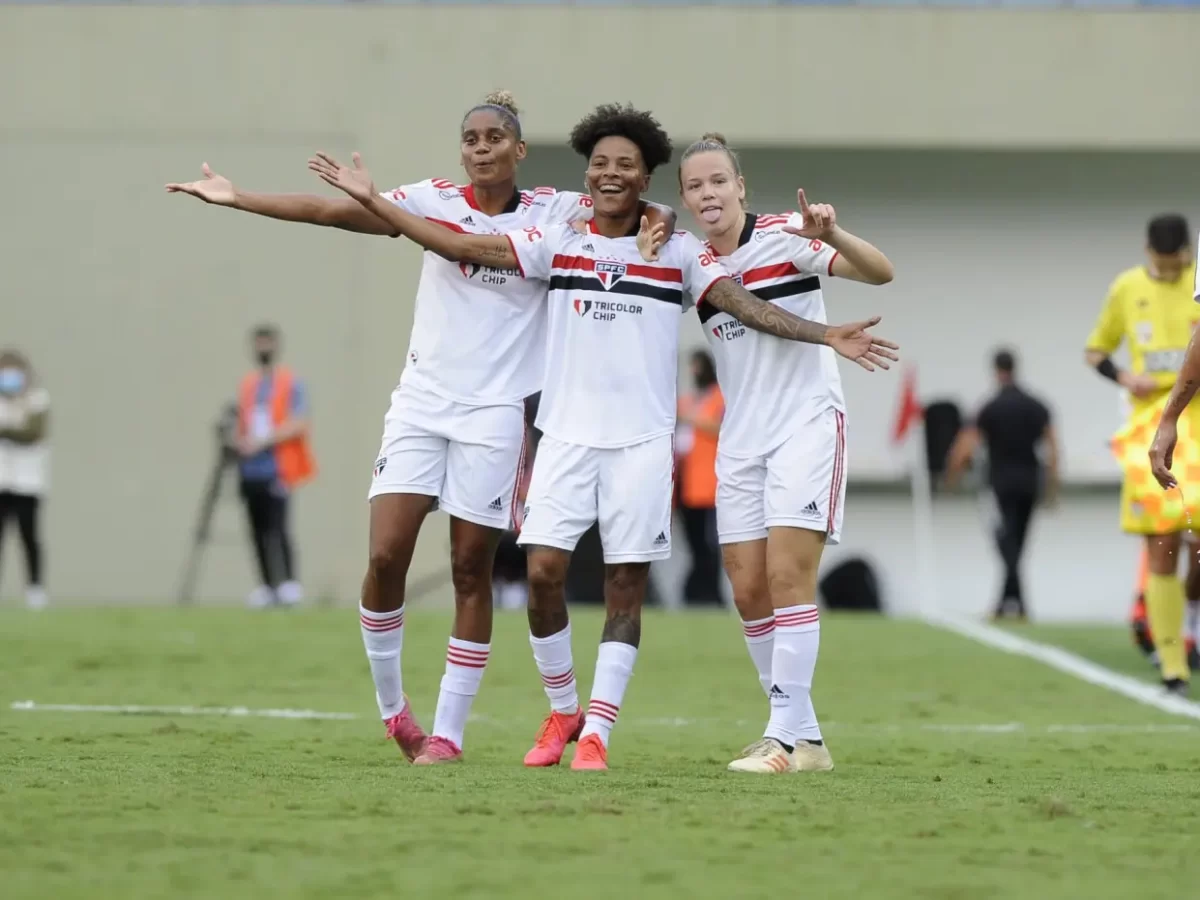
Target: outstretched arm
[730, 297]
[313, 209]
[852, 341]
[485, 249]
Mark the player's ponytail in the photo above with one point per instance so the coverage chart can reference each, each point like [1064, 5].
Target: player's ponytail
[711, 142]
[504, 106]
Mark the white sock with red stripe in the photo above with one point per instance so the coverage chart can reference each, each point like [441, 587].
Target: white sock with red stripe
[793, 661]
[383, 638]
[760, 641]
[614, 667]
[553, 657]
[465, 662]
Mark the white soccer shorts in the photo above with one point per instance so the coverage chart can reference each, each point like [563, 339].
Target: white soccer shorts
[799, 484]
[627, 489]
[468, 457]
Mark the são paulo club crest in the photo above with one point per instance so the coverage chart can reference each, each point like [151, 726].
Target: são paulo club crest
[582, 306]
[469, 270]
[609, 273]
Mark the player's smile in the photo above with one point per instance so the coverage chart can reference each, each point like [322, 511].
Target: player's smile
[615, 176]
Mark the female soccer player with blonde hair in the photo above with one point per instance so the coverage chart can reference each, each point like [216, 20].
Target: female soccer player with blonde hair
[781, 456]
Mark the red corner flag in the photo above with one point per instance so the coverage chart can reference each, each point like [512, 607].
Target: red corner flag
[910, 409]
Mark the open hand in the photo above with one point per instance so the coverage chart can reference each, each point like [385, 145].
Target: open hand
[1162, 453]
[212, 188]
[354, 181]
[649, 240]
[854, 342]
[820, 219]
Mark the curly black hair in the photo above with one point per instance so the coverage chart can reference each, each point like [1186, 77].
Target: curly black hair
[622, 120]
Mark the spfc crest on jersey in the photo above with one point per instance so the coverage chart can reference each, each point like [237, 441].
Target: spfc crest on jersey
[609, 273]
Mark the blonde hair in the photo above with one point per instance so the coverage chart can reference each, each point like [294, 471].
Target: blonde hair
[505, 106]
[711, 142]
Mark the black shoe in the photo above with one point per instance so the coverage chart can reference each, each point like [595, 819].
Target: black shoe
[1176, 686]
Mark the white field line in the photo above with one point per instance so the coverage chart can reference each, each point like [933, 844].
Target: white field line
[245, 712]
[1065, 661]
[233, 711]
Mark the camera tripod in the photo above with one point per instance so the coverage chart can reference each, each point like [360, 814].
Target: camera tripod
[226, 429]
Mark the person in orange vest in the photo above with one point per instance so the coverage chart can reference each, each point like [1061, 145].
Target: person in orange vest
[275, 459]
[698, 424]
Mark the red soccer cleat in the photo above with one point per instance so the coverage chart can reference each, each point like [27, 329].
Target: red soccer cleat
[406, 732]
[558, 730]
[590, 754]
[438, 750]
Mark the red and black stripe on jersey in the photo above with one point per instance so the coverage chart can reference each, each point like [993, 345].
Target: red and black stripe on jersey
[770, 282]
[579, 273]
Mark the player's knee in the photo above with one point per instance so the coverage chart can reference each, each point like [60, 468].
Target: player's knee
[547, 577]
[1162, 553]
[386, 562]
[792, 582]
[752, 599]
[625, 585]
[471, 572]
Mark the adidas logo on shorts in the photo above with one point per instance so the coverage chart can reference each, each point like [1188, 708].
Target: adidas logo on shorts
[812, 511]
[496, 505]
[661, 539]
[467, 220]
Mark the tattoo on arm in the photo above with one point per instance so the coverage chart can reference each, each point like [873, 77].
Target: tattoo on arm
[497, 250]
[730, 297]
[1181, 396]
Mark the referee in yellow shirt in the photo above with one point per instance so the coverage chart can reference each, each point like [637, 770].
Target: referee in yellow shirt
[1150, 308]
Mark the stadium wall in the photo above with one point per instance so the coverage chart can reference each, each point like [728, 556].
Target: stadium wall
[134, 305]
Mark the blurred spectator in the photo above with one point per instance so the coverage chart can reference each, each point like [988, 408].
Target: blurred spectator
[1013, 425]
[24, 462]
[699, 423]
[272, 441]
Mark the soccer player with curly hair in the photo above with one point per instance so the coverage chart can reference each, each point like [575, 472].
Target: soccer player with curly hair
[453, 435]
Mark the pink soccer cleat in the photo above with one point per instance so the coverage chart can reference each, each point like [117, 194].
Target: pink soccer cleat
[438, 750]
[406, 732]
[590, 754]
[558, 730]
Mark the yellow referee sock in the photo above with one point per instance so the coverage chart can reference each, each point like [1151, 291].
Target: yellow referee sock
[1164, 609]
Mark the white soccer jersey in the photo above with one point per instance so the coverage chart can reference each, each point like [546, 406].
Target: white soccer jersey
[613, 341]
[479, 333]
[772, 386]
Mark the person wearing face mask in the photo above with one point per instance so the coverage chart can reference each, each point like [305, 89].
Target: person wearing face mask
[275, 459]
[24, 462]
[698, 424]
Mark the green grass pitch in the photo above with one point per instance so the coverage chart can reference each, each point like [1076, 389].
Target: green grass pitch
[924, 802]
